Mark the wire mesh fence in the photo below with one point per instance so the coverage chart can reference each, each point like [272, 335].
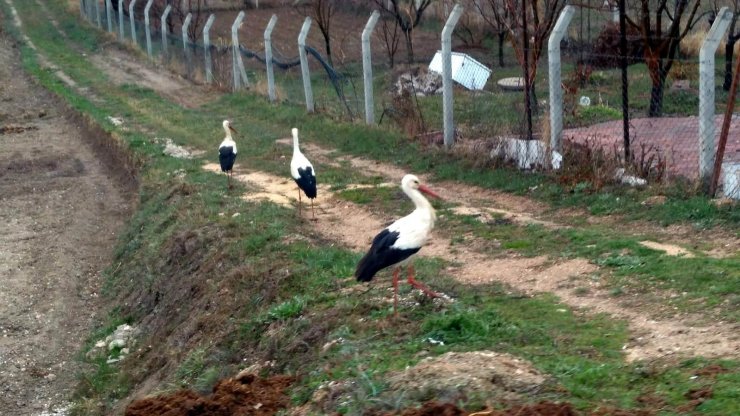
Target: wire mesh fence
[664, 92]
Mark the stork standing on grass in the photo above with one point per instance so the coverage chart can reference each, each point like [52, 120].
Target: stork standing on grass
[395, 245]
[303, 173]
[227, 152]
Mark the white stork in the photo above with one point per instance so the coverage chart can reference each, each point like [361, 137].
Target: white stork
[396, 244]
[303, 173]
[227, 151]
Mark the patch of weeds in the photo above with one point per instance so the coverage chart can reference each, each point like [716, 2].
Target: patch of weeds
[616, 291]
[621, 261]
[191, 368]
[289, 309]
[581, 291]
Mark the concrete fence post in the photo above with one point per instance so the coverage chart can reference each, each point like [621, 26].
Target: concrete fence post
[97, 13]
[88, 11]
[163, 25]
[207, 47]
[447, 99]
[367, 67]
[555, 80]
[121, 34]
[237, 66]
[147, 29]
[268, 58]
[707, 131]
[185, 40]
[308, 92]
[83, 12]
[109, 15]
[132, 21]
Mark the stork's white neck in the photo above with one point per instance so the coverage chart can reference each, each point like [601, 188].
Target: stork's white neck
[422, 204]
[295, 144]
[228, 133]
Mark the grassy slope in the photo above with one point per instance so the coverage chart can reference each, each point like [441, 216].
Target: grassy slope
[254, 291]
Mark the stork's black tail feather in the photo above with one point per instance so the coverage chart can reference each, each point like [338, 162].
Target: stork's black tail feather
[307, 181]
[366, 268]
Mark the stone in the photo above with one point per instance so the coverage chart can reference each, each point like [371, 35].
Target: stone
[116, 343]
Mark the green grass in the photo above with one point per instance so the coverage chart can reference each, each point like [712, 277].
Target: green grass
[261, 286]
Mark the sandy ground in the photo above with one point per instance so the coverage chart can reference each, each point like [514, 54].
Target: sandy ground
[60, 210]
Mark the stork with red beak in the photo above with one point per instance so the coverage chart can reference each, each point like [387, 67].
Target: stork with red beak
[227, 152]
[303, 174]
[396, 244]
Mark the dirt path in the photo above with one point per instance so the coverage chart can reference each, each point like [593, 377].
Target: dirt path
[354, 227]
[60, 211]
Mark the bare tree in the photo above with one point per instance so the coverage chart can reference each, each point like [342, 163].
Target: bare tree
[390, 34]
[496, 15]
[470, 28]
[662, 26]
[528, 40]
[733, 36]
[408, 15]
[322, 11]
[180, 10]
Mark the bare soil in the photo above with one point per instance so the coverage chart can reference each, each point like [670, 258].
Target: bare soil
[346, 42]
[503, 376]
[243, 395]
[544, 408]
[119, 67]
[61, 209]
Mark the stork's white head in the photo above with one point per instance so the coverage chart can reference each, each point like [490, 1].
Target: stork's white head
[410, 182]
[227, 127]
[294, 132]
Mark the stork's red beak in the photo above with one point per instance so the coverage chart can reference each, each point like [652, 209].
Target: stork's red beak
[232, 129]
[428, 191]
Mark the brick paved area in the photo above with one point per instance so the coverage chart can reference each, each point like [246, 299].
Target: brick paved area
[677, 138]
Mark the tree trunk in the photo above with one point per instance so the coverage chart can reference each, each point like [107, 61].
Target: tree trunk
[409, 46]
[729, 53]
[328, 51]
[501, 38]
[656, 97]
[533, 99]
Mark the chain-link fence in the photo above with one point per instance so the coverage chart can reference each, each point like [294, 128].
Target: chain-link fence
[667, 109]
[675, 96]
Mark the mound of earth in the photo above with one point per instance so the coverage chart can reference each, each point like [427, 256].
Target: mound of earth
[500, 376]
[242, 395]
[544, 408]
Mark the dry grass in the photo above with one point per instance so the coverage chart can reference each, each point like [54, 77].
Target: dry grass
[691, 44]
[260, 87]
[73, 5]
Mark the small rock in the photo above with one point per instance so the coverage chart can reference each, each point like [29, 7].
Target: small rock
[116, 343]
[100, 344]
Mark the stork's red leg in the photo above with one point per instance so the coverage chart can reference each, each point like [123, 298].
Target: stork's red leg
[395, 291]
[313, 214]
[418, 285]
[300, 214]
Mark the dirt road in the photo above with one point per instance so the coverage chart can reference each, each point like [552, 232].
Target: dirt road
[60, 210]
